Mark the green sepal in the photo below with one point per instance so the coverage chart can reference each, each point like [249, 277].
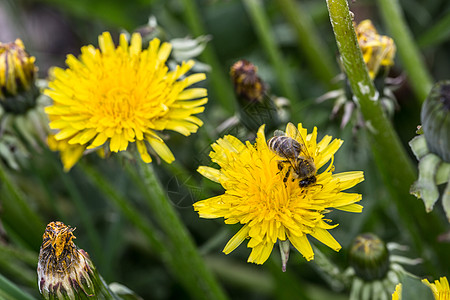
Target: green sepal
[446, 200]
[425, 187]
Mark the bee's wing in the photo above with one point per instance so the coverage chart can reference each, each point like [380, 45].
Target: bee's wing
[289, 158]
[293, 132]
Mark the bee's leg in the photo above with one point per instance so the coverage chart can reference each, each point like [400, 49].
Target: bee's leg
[280, 165]
[287, 175]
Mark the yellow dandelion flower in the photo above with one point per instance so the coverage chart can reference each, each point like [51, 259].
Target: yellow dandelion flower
[270, 209]
[117, 96]
[378, 50]
[440, 288]
[397, 294]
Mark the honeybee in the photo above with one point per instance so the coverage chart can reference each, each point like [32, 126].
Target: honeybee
[294, 154]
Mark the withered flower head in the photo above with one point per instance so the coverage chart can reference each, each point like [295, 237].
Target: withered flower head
[378, 50]
[247, 84]
[64, 271]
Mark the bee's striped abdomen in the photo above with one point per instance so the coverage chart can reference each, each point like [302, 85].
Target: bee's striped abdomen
[284, 146]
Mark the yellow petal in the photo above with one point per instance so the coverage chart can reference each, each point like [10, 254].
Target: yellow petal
[236, 240]
[194, 78]
[302, 244]
[211, 173]
[349, 179]
[142, 149]
[192, 94]
[355, 208]
[161, 149]
[325, 237]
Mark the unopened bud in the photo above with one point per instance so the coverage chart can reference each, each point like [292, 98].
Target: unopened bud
[369, 257]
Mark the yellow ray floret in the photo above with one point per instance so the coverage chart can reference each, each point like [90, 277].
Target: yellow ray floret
[269, 208]
[440, 288]
[114, 97]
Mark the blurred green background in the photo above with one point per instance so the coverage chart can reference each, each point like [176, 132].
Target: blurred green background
[52, 29]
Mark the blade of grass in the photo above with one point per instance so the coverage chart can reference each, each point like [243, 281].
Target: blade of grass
[17, 213]
[18, 270]
[421, 80]
[9, 290]
[262, 26]
[308, 39]
[27, 256]
[223, 90]
[439, 33]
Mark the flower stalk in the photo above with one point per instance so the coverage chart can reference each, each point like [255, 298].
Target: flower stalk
[421, 80]
[391, 158]
[202, 283]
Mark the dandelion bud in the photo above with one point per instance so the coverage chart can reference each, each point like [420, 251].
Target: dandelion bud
[369, 257]
[17, 75]
[247, 84]
[432, 149]
[64, 271]
[435, 119]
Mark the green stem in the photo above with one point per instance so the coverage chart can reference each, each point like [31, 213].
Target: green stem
[391, 158]
[263, 29]
[308, 39]
[186, 179]
[9, 290]
[200, 281]
[421, 80]
[222, 85]
[24, 255]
